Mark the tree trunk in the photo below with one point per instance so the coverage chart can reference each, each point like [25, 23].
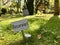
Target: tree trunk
[18, 6]
[30, 7]
[36, 5]
[56, 7]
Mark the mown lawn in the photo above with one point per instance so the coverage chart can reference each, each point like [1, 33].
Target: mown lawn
[45, 30]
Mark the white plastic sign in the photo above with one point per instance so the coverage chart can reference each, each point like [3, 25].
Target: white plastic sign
[20, 25]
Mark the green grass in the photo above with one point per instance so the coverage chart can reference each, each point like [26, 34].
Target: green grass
[47, 26]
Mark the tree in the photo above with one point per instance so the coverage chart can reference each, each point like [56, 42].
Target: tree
[56, 7]
[18, 5]
[36, 5]
[30, 6]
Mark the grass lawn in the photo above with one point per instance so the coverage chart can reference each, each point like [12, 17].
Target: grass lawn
[45, 30]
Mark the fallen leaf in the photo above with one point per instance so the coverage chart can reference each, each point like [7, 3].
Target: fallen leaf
[39, 36]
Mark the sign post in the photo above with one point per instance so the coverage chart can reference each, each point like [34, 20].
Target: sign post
[23, 34]
[20, 26]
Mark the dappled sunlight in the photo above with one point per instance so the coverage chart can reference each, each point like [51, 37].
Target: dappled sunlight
[45, 16]
[50, 30]
[8, 21]
[10, 38]
[59, 16]
[29, 22]
[34, 26]
[48, 24]
[48, 16]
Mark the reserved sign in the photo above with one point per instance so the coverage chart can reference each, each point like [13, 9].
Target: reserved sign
[20, 25]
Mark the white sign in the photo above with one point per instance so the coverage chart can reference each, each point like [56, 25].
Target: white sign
[20, 25]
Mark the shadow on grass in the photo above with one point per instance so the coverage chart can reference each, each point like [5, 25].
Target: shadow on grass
[27, 41]
[32, 40]
[50, 33]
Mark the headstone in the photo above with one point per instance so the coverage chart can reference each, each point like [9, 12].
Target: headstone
[25, 12]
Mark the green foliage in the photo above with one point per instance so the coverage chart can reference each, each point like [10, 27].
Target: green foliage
[49, 30]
